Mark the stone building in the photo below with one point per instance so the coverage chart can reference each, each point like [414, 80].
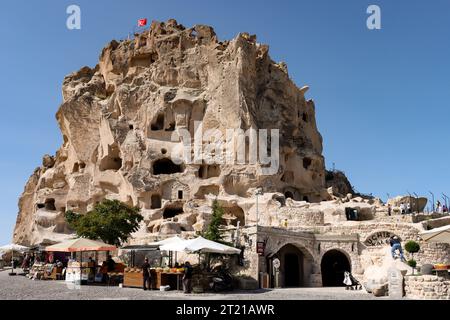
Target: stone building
[123, 121]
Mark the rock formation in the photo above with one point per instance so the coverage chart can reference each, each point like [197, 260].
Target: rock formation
[118, 120]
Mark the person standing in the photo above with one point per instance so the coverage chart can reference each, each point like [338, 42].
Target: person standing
[438, 206]
[147, 279]
[402, 208]
[187, 278]
[389, 210]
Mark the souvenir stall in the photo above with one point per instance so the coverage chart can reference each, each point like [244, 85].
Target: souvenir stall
[162, 274]
[77, 270]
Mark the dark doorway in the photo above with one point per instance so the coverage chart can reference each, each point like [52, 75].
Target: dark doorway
[334, 264]
[171, 212]
[292, 270]
[292, 264]
[156, 201]
[159, 123]
[288, 195]
[166, 166]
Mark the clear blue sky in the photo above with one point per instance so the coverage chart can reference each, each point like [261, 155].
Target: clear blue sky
[382, 97]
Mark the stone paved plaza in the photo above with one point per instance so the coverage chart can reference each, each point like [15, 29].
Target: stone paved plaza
[21, 288]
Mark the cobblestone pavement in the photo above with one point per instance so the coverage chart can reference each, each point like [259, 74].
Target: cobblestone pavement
[22, 288]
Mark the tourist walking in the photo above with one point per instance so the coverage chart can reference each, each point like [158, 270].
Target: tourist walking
[147, 278]
[396, 245]
[187, 278]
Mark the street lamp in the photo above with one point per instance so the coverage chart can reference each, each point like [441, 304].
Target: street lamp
[432, 195]
[258, 193]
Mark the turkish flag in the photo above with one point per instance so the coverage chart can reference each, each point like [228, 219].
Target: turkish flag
[142, 22]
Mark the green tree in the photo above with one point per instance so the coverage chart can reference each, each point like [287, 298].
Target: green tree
[213, 232]
[412, 247]
[110, 221]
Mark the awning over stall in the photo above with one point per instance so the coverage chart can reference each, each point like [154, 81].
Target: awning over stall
[201, 245]
[80, 245]
[441, 235]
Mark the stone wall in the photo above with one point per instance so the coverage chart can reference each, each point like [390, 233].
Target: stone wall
[427, 287]
[297, 217]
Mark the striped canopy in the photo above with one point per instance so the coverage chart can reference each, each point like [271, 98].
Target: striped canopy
[80, 245]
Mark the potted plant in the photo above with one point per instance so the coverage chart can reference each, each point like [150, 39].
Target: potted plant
[412, 247]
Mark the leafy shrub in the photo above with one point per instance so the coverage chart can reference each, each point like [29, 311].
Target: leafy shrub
[412, 263]
[412, 247]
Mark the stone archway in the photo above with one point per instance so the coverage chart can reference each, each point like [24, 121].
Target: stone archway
[334, 264]
[295, 267]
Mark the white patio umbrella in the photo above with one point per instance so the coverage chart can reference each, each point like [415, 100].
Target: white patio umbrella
[200, 245]
[11, 248]
[170, 241]
[167, 241]
[441, 235]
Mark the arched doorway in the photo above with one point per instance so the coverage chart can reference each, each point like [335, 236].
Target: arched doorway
[334, 264]
[294, 267]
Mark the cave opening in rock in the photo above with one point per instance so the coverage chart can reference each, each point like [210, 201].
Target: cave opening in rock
[307, 163]
[166, 166]
[158, 125]
[204, 190]
[289, 194]
[208, 171]
[112, 161]
[305, 117]
[40, 206]
[156, 201]
[78, 166]
[180, 194]
[172, 211]
[50, 204]
[233, 215]
[171, 127]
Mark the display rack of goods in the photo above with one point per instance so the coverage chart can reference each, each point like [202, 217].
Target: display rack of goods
[79, 272]
[132, 278]
[441, 266]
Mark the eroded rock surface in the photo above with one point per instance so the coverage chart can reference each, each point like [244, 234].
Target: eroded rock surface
[117, 120]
